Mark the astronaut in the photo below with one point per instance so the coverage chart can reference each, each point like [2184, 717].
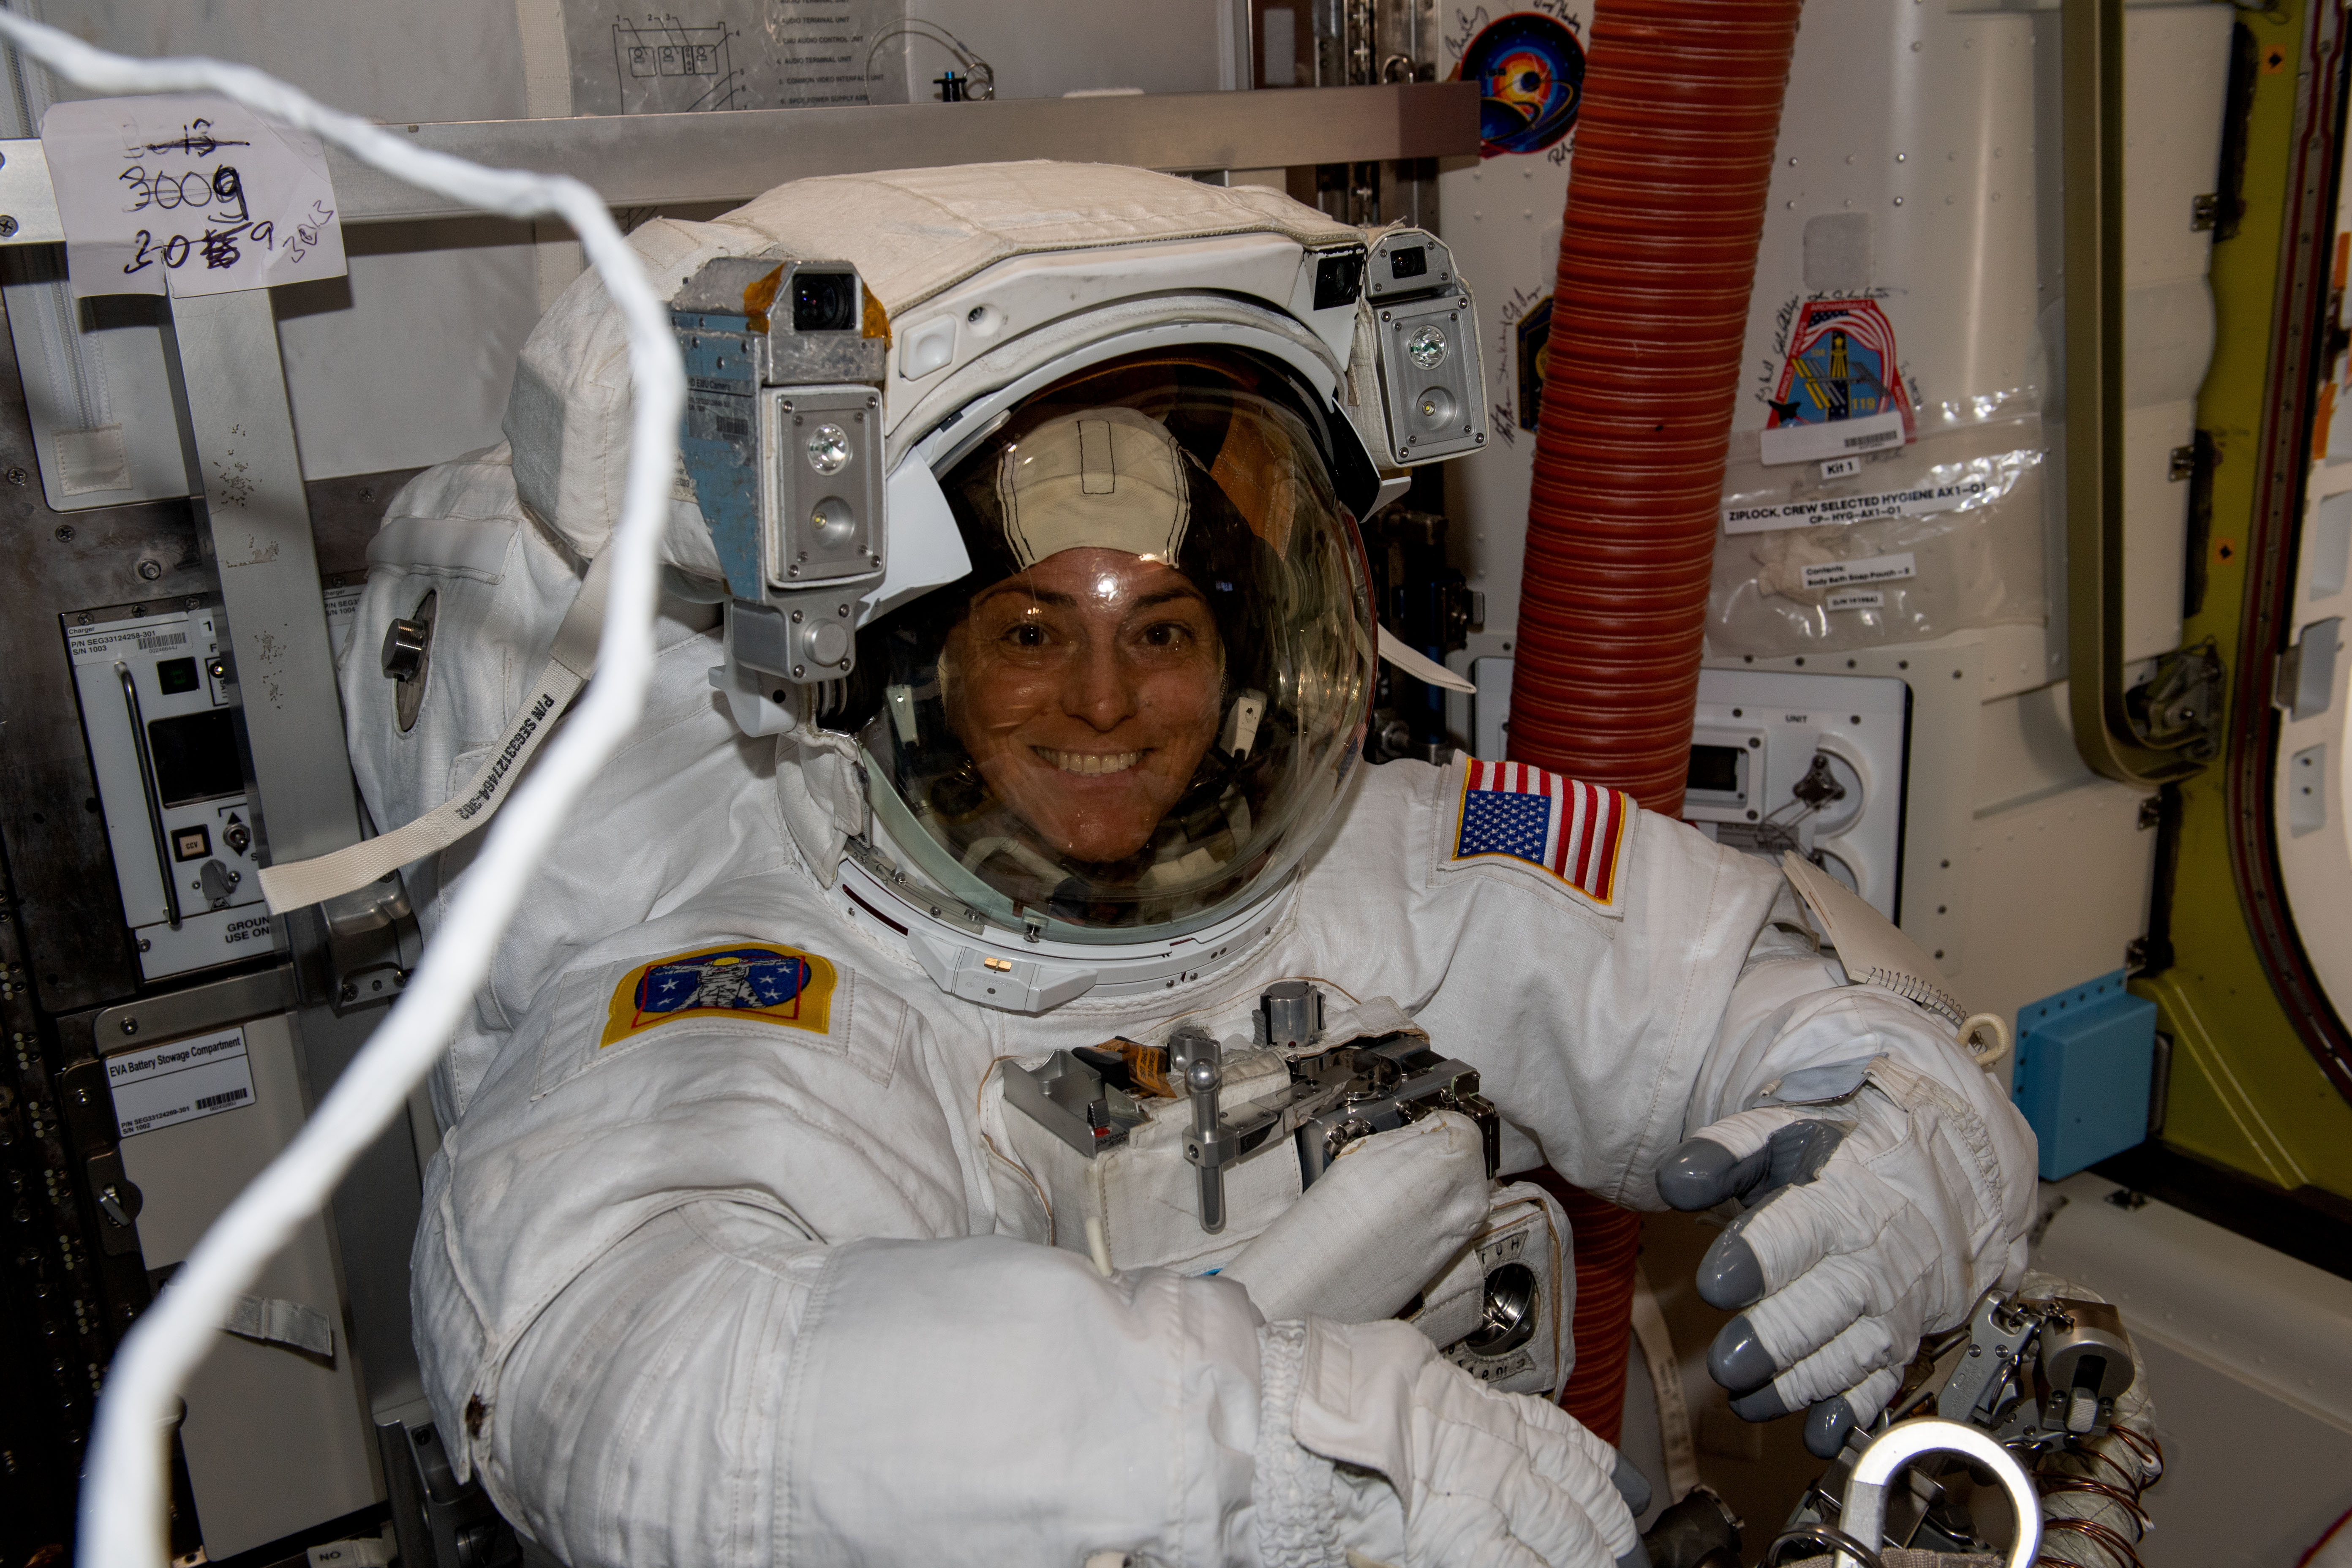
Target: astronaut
[729, 1255]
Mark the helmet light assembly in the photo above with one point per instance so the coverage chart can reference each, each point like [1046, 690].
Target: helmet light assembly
[783, 440]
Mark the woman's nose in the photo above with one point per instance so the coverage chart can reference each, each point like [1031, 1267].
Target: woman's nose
[1100, 690]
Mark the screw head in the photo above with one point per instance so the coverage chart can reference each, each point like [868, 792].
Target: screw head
[65, 532]
[130, 1026]
[151, 569]
[18, 476]
[7, 225]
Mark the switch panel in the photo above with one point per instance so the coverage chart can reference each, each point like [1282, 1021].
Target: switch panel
[157, 711]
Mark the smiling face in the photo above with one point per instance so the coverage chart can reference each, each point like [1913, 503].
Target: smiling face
[1087, 690]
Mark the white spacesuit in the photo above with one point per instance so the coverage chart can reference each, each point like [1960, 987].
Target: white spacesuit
[735, 1250]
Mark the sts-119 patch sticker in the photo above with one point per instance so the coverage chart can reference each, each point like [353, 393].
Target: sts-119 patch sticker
[1575, 831]
[1840, 392]
[754, 983]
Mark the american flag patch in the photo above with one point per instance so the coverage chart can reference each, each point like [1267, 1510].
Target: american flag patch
[1574, 830]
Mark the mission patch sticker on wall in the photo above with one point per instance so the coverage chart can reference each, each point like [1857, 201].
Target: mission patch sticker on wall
[1841, 392]
[755, 984]
[1529, 68]
[183, 1080]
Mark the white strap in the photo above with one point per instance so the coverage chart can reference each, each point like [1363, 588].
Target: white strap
[276, 1322]
[568, 664]
[1871, 948]
[1420, 665]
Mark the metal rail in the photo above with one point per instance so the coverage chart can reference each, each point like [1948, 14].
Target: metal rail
[644, 160]
[2092, 66]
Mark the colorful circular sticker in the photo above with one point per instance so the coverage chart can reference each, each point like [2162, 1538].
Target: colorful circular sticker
[1530, 71]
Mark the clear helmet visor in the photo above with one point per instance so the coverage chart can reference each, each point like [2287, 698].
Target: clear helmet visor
[1139, 709]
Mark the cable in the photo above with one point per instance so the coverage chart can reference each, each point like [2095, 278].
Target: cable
[2122, 1507]
[123, 1504]
[931, 32]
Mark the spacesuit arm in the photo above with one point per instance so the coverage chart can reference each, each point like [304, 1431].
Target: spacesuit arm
[718, 1389]
[715, 1391]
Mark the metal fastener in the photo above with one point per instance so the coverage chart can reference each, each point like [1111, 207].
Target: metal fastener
[403, 654]
[7, 225]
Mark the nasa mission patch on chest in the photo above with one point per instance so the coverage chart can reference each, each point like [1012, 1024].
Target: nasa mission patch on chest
[747, 981]
[1517, 817]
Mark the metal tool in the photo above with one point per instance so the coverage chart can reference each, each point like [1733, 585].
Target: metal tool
[1211, 1145]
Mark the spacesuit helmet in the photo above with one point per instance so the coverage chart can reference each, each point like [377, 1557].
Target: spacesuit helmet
[1136, 713]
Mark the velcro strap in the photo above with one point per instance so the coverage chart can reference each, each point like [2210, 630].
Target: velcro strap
[568, 664]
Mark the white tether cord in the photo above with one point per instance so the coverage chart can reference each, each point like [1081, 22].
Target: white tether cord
[123, 1504]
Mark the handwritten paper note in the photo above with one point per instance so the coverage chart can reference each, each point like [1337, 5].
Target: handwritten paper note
[187, 193]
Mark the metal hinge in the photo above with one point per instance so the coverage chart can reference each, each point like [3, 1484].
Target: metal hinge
[2184, 464]
[2204, 213]
[2178, 708]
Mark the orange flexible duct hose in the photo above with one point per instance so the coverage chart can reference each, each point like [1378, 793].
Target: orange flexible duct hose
[1657, 256]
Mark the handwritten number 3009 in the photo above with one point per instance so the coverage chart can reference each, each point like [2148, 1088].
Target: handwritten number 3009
[223, 186]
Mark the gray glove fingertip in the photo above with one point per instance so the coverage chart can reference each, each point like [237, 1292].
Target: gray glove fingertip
[1826, 1425]
[1632, 1485]
[1701, 1172]
[1730, 1276]
[1763, 1405]
[1737, 1359]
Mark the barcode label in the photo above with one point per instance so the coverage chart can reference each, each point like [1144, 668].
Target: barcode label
[155, 642]
[207, 1101]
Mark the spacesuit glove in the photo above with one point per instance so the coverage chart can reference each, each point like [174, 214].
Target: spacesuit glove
[1382, 1222]
[1869, 1223]
[1472, 1476]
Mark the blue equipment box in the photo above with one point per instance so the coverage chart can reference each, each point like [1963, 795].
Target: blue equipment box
[2086, 1064]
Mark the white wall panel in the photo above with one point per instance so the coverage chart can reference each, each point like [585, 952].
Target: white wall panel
[1043, 49]
[2060, 886]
